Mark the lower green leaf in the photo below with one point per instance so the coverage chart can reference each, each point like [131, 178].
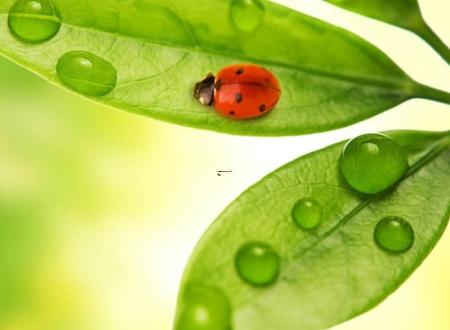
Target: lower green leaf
[301, 249]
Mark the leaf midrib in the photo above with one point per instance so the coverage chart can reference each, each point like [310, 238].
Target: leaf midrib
[402, 85]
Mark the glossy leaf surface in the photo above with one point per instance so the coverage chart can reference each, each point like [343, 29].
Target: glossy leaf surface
[329, 77]
[337, 270]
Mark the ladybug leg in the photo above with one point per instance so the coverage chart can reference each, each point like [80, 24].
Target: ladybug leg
[204, 90]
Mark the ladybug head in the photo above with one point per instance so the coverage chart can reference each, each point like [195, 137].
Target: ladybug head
[204, 90]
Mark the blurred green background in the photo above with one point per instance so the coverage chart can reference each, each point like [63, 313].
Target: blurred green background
[100, 209]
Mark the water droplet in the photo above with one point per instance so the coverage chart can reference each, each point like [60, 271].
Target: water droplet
[86, 73]
[204, 308]
[247, 15]
[307, 213]
[372, 163]
[34, 20]
[394, 234]
[257, 264]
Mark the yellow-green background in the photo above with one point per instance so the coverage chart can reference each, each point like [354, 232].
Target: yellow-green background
[100, 209]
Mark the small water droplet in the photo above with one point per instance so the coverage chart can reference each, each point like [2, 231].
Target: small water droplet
[247, 15]
[307, 213]
[204, 308]
[34, 20]
[372, 163]
[257, 264]
[86, 73]
[394, 234]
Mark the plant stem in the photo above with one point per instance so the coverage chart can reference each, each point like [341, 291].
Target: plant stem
[425, 32]
[431, 93]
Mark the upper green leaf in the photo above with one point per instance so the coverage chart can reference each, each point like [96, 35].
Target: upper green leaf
[333, 271]
[402, 13]
[160, 49]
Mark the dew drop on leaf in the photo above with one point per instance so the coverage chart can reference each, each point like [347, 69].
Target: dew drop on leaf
[394, 234]
[257, 264]
[372, 163]
[247, 15]
[86, 73]
[307, 213]
[34, 21]
[204, 308]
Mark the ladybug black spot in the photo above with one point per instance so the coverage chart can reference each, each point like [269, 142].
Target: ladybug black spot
[239, 71]
[232, 113]
[262, 108]
[218, 85]
[238, 97]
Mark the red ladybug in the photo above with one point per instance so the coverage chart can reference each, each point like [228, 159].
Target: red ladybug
[240, 91]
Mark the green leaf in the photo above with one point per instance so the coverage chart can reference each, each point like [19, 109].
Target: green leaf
[336, 271]
[405, 14]
[329, 77]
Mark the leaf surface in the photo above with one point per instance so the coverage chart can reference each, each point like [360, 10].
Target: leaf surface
[329, 77]
[405, 14]
[337, 271]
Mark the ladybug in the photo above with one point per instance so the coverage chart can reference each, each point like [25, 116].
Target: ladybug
[240, 91]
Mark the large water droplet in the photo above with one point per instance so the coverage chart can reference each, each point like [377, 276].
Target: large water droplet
[247, 15]
[86, 73]
[307, 213]
[34, 20]
[257, 264]
[394, 234]
[204, 308]
[372, 163]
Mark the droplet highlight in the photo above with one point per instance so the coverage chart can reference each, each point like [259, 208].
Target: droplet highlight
[394, 234]
[257, 264]
[86, 73]
[307, 213]
[247, 15]
[371, 163]
[34, 21]
[204, 308]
